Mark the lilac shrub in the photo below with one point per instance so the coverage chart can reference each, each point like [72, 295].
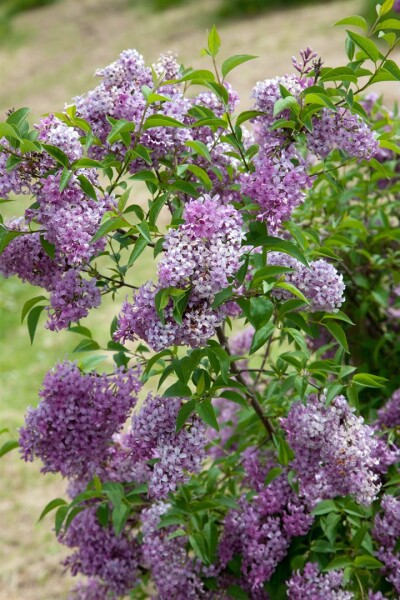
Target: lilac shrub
[242, 439]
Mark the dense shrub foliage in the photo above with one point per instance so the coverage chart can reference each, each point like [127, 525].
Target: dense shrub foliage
[242, 440]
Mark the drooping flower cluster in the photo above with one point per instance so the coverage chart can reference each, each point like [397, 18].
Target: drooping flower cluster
[277, 185]
[205, 251]
[173, 572]
[140, 320]
[387, 533]
[153, 435]
[311, 583]
[320, 283]
[111, 561]
[342, 130]
[78, 414]
[201, 254]
[260, 530]
[335, 450]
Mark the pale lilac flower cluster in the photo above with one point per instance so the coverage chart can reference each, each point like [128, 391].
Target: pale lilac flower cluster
[335, 451]
[387, 533]
[71, 299]
[51, 130]
[16, 180]
[111, 560]
[25, 257]
[313, 584]
[320, 283]
[277, 185]
[344, 131]
[72, 427]
[153, 435]
[140, 320]
[204, 252]
[389, 414]
[261, 529]
[70, 217]
[174, 574]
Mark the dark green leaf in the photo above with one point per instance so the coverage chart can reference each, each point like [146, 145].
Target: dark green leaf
[33, 319]
[206, 412]
[234, 61]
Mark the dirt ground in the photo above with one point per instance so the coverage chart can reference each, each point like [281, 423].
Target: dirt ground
[50, 58]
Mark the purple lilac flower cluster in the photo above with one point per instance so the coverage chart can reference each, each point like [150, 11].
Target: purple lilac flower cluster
[261, 529]
[387, 533]
[153, 435]
[320, 283]
[389, 414]
[174, 574]
[139, 319]
[102, 556]
[202, 253]
[335, 450]
[71, 429]
[205, 251]
[311, 583]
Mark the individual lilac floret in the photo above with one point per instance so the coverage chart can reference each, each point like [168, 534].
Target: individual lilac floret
[387, 533]
[342, 130]
[72, 427]
[70, 217]
[277, 185]
[320, 283]
[261, 530]
[205, 251]
[316, 585]
[25, 257]
[53, 131]
[153, 435]
[335, 451]
[101, 554]
[173, 572]
[139, 319]
[389, 414]
[71, 299]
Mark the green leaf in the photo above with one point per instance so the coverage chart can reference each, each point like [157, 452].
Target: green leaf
[367, 380]
[247, 115]
[272, 474]
[366, 45]
[143, 228]
[214, 41]
[285, 453]
[282, 104]
[200, 148]
[386, 7]
[222, 297]
[292, 289]
[7, 130]
[51, 506]
[8, 446]
[87, 187]
[340, 562]
[184, 413]
[65, 178]
[119, 517]
[86, 346]
[61, 514]
[49, 248]
[33, 319]
[261, 336]
[206, 412]
[57, 154]
[179, 390]
[109, 225]
[261, 310]
[235, 591]
[6, 237]
[161, 121]
[119, 127]
[234, 61]
[138, 248]
[367, 562]
[30, 304]
[355, 20]
[389, 24]
[338, 334]
[17, 116]
[324, 507]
